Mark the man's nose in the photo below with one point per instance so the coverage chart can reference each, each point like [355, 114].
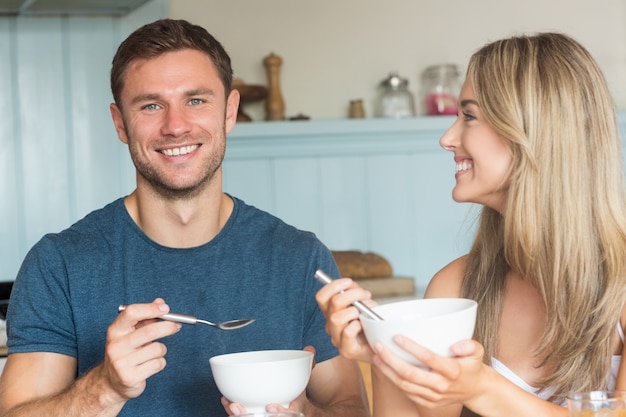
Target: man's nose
[175, 122]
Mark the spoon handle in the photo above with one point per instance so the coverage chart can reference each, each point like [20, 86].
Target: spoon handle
[179, 318]
[324, 278]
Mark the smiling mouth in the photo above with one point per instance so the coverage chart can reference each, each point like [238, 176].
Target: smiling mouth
[183, 150]
[464, 165]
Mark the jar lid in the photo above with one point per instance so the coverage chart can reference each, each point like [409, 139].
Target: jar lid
[394, 81]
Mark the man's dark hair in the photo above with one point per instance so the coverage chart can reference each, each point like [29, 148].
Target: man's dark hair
[167, 35]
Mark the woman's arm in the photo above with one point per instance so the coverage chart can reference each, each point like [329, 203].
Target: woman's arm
[449, 383]
[390, 401]
[620, 383]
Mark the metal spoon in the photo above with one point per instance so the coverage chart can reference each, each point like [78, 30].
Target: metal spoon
[324, 278]
[187, 319]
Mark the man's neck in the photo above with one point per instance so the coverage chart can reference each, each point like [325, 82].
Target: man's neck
[180, 223]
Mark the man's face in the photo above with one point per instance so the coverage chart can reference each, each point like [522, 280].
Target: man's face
[174, 118]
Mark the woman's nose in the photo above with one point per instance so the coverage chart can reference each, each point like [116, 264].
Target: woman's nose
[449, 139]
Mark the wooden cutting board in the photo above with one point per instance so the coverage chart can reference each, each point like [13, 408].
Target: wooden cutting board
[389, 286]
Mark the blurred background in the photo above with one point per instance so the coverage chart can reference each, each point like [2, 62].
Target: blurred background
[367, 185]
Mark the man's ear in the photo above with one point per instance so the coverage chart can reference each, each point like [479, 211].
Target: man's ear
[232, 108]
[118, 122]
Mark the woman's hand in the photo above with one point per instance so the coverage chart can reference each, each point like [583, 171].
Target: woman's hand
[342, 319]
[445, 381]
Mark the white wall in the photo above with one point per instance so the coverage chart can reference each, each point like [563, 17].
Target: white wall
[337, 50]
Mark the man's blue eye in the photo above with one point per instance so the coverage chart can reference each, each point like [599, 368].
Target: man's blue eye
[195, 101]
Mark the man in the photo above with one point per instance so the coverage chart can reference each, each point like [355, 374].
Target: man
[178, 238]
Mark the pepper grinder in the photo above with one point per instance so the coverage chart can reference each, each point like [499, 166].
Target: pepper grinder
[274, 104]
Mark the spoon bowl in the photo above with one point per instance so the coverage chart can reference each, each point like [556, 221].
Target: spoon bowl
[225, 325]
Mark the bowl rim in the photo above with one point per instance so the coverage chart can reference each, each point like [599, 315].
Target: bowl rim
[470, 304]
[226, 358]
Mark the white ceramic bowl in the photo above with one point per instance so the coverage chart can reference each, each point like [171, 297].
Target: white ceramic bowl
[255, 379]
[435, 323]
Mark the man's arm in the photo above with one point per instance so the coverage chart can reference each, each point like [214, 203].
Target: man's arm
[336, 389]
[42, 383]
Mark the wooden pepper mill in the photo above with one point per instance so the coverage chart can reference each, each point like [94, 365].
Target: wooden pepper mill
[274, 103]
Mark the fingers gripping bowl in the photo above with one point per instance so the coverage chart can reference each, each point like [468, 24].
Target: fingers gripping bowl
[435, 323]
[255, 379]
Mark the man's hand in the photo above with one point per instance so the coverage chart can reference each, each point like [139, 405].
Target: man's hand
[132, 353]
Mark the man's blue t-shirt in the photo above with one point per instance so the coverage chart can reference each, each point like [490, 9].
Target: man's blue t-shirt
[70, 286]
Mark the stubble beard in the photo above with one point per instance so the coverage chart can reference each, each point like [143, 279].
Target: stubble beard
[169, 191]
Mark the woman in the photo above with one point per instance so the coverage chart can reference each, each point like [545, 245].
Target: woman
[536, 143]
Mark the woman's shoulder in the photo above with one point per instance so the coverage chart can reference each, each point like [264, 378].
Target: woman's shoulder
[447, 281]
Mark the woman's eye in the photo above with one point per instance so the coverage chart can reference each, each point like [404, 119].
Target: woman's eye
[467, 116]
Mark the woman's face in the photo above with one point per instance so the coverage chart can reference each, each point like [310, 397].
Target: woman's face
[482, 157]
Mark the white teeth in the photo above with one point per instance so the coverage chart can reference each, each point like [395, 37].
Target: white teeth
[464, 165]
[184, 150]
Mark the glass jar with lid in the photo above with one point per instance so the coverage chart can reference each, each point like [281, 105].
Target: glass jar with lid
[395, 99]
[440, 89]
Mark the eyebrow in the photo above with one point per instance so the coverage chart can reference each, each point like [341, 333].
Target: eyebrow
[467, 102]
[200, 92]
[154, 96]
[144, 97]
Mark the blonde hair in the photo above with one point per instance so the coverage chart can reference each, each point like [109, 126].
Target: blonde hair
[564, 226]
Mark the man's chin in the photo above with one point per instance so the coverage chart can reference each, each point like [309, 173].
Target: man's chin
[178, 191]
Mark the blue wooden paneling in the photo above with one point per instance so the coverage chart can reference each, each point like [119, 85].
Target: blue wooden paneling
[252, 180]
[43, 125]
[391, 214]
[443, 228]
[12, 243]
[100, 169]
[298, 184]
[59, 155]
[370, 185]
[342, 202]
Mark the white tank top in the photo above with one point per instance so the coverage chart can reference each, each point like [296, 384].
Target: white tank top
[503, 370]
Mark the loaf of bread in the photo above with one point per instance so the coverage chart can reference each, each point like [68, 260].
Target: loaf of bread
[360, 265]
